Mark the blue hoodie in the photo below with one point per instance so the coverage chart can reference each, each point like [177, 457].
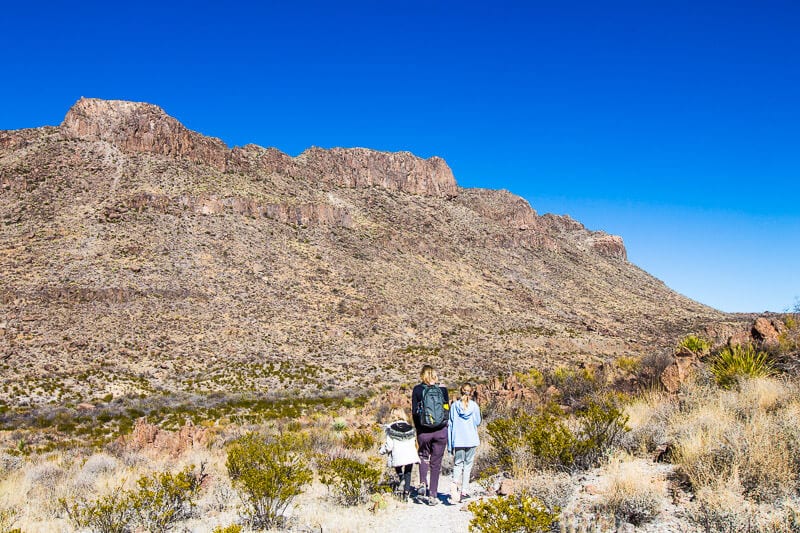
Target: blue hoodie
[463, 428]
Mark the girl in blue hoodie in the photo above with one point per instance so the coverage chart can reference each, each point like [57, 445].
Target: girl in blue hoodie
[462, 439]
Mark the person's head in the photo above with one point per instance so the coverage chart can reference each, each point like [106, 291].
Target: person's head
[466, 392]
[428, 375]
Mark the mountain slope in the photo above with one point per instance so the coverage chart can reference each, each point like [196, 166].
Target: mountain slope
[139, 257]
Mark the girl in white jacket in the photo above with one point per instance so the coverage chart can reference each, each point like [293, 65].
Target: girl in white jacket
[401, 447]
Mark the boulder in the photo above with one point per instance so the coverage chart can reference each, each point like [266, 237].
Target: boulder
[764, 331]
[682, 367]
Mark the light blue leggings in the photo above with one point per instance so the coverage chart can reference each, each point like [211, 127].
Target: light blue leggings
[462, 466]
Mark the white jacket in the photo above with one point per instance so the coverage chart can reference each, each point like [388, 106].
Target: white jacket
[401, 444]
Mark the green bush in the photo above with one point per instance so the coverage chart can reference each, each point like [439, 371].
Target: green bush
[695, 344]
[350, 480]
[544, 440]
[735, 362]
[159, 502]
[268, 474]
[107, 514]
[516, 513]
[533, 378]
[539, 440]
[601, 424]
[362, 440]
[163, 499]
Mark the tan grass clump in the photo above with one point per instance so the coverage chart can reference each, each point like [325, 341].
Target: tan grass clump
[632, 494]
[744, 435]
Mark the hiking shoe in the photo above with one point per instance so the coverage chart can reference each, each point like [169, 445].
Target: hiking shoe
[464, 497]
[422, 491]
[432, 501]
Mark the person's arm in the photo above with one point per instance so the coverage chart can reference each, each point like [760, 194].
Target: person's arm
[446, 398]
[416, 397]
[478, 418]
[450, 431]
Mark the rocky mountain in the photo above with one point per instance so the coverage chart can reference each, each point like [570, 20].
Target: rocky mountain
[138, 257]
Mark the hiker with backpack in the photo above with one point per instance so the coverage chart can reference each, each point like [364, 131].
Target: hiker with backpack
[430, 403]
[401, 447]
[462, 440]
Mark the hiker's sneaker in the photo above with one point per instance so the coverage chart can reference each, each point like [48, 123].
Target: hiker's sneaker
[464, 497]
[432, 500]
[422, 492]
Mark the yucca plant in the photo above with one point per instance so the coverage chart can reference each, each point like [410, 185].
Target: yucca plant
[734, 362]
[695, 344]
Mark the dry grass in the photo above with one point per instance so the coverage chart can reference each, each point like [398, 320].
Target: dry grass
[631, 492]
[647, 415]
[745, 434]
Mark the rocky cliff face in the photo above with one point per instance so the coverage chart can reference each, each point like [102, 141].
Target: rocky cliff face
[140, 127]
[157, 260]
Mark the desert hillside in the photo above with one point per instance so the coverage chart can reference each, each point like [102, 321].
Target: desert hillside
[138, 257]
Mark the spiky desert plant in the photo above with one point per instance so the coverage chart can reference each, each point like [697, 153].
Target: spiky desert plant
[695, 344]
[735, 362]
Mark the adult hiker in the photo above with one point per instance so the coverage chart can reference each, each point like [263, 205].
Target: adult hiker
[401, 447]
[430, 404]
[462, 440]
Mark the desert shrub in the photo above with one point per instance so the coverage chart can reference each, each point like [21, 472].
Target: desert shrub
[516, 513]
[575, 385]
[695, 344]
[8, 517]
[160, 501]
[107, 514]
[601, 423]
[554, 490]
[653, 365]
[362, 440]
[532, 440]
[533, 378]
[350, 480]
[732, 363]
[233, 528]
[269, 474]
[722, 507]
[546, 439]
[163, 499]
[628, 364]
[749, 433]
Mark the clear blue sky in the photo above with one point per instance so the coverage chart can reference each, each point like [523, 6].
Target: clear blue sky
[673, 124]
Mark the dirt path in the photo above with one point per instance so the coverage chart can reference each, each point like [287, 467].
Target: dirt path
[413, 516]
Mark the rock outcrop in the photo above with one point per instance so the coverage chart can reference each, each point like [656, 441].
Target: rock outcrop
[360, 167]
[609, 246]
[141, 127]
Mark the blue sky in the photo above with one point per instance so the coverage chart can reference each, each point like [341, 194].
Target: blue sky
[673, 124]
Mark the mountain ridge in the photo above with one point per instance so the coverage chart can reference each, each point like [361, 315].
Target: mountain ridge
[143, 251]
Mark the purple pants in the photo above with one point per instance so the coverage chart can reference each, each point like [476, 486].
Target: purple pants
[431, 452]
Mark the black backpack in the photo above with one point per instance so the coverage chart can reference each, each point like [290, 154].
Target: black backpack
[431, 408]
